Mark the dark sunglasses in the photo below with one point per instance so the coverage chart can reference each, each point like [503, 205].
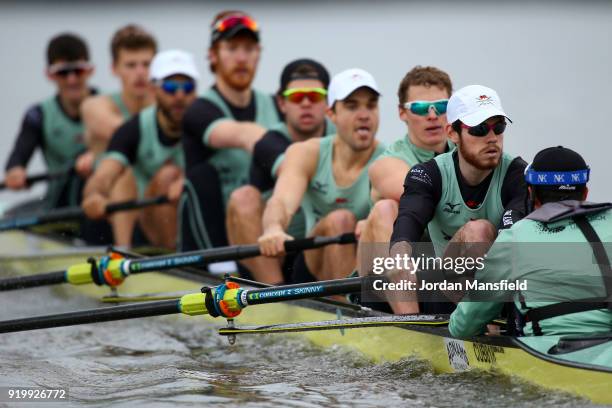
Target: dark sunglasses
[171, 87]
[64, 70]
[484, 128]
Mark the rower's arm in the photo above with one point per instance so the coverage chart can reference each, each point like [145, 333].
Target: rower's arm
[101, 119]
[387, 176]
[422, 192]
[122, 152]
[104, 178]
[513, 194]
[299, 166]
[478, 308]
[29, 138]
[230, 133]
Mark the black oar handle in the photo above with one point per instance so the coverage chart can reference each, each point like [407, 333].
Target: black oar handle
[317, 242]
[23, 282]
[135, 204]
[74, 213]
[132, 311]
[39, 177]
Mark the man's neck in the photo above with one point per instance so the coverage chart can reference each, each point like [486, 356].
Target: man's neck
[72, 107]
[169, 128]
[238, 98]
[136, 103]
[347, 158]
[437, 148]
[472, 175]
[297, 136]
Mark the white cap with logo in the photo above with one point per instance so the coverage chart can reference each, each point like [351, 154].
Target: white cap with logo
[474, 104]
[346, 82]
[173, 62]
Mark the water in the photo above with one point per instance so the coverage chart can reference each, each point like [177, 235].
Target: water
[550, 61]
[183, 362]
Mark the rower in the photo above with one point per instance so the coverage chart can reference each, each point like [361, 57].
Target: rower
[132, 49]
[301, 98]
[569, 282]
[54, 125]
[423, 96]
[460, 196]
[328, 177]
[149, 143]
[221, 129]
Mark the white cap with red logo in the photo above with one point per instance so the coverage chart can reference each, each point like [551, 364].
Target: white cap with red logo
[473, 105]
[346, 82]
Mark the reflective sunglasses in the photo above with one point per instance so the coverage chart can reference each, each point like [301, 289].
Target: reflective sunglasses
[171, 86]
[64, 70]
[297, 95]
[422, 108]
[233, 21]
[484, 128]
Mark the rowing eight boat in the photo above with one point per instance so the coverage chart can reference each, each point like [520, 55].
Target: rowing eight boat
[381, 337]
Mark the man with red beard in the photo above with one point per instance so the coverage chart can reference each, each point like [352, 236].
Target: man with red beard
[463, 196]
[221, 129]
[150, 145]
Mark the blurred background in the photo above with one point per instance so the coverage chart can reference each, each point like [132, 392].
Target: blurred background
[550, 61]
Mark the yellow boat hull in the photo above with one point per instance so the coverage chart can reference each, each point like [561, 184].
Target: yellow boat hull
[380, 344]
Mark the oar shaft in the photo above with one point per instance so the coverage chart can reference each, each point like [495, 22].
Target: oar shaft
[230, 253]
[75, 213]
[303, 291]
[23, 282]
[132, 311]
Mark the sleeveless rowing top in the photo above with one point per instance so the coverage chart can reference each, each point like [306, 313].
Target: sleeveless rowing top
[297, 226]
[63, 142]
[233, 164]
[152, 154]
[406, 151]
[63, 136]
[452, 213]
[330, 129]
[116, 98]
[324, 196]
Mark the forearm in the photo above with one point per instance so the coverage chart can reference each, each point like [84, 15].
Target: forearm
[276, 216]
[231, 134]
[103, 179]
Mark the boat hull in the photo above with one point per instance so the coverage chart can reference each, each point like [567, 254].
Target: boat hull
[525, 359]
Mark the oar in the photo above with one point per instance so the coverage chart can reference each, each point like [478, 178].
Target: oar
[112, 272]
[225, 300]
[74, 213]
[35, 178]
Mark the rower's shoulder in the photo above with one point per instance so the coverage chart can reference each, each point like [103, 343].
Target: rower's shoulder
[385, 164]
[99, 104]
[303, 154]
[307, 147]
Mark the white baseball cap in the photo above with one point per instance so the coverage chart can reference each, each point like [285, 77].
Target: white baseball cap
[473, 105]
[344, 83]
[173, 62]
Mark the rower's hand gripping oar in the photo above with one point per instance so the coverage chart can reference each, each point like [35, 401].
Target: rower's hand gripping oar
[112, 270]
[226, 300]
[74, 213]
[35, 178]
